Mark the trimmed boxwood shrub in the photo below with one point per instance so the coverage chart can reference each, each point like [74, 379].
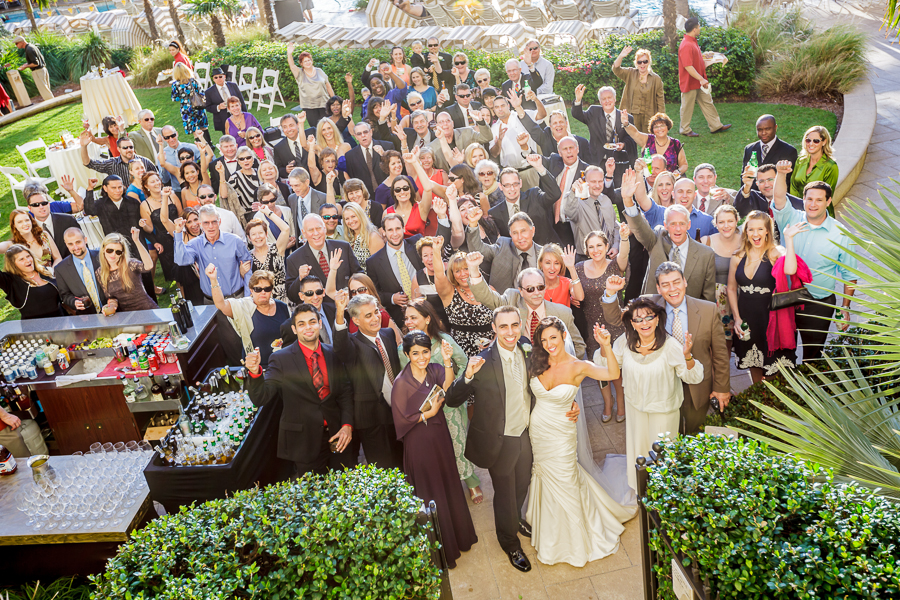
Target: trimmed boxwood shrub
[348, 534]
[761, 525]
[592, 67]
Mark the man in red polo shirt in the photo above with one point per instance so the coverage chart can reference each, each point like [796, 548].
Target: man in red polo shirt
[692, 77]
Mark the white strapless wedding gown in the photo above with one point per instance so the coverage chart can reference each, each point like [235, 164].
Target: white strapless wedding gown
[573, 520]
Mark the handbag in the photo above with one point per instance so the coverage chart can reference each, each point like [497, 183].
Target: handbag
[198, 99]
[791, 297]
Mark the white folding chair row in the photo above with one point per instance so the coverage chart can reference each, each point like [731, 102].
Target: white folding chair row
[17, 178]
[247, 81]
[268, 88]
[202, 70]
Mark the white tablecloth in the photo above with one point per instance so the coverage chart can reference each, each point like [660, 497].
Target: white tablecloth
[108, 96]
[68, 162]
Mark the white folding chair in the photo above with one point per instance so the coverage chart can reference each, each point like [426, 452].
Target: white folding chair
[232, 73]
[275, 122]
[247, 80]
[34, 166]
[269, 89]
[14, 173]
[201, 70]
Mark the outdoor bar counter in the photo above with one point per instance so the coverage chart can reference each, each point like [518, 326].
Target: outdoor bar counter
[93, 408]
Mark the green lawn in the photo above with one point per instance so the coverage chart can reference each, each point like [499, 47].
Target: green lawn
[723, 150]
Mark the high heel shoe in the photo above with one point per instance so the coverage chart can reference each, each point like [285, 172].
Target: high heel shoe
[620, 418]
[605, 418]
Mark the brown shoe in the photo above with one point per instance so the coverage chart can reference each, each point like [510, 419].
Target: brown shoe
[723, 128]
[691, 134]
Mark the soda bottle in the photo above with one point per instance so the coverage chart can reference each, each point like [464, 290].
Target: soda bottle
[753, 162]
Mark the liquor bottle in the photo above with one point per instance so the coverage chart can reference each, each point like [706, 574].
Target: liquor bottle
[8, 464]
[127, 388]
[141, 393]
[176, 315]
[697, 234]
[185, 307]
[171, 390]
[156, 391]
[22, 400]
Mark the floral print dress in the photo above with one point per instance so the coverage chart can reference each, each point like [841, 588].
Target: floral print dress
[193, 118]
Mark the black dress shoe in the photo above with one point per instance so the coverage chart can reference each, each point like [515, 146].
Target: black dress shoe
[518, 559]
[691, 134]
[723, 128]
[525, 529]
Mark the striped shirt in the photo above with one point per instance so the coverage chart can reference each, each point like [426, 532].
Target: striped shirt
[115, 166]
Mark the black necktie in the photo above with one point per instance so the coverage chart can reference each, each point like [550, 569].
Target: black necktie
[524, 256]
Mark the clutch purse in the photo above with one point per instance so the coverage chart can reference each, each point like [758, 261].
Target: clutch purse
[791, 298]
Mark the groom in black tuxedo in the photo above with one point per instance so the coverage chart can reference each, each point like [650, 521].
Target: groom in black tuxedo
[498, 433]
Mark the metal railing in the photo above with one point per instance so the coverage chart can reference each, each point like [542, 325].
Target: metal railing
[428, 514]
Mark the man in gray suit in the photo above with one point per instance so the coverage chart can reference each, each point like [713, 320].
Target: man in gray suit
[75, 276]
[304, 201]
[145, 138]
[510, 254]
[671, 241]
[709, 196]
[588, 209]
[449, 138]
[527, 296]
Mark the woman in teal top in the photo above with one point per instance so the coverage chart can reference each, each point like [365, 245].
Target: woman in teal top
[815, 163]
[421, 315]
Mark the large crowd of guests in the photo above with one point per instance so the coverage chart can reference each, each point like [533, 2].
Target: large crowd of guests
[392, 255]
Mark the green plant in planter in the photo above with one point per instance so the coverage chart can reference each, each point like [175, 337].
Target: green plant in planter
[349, 534]
[761, 525]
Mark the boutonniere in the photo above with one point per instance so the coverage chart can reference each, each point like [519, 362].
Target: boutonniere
[526, 349]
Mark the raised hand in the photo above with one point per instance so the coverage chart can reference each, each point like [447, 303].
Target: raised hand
[379, 150]
[92, 183]
[290, 47]
[341, 298]
[335, 261]
[610, 166]
[346, 108]
[501, 133]
[580, 189]
[530, 95]
[615, 284]
[452, 193]
[67, 182]
[514, 100]
[303, 271]
[535, 161]
[475, 214]
[446, 350]
[220, 168]
[457, 157]
[179, 225]
[784, 166]
[569, 258]
[474, 365]
[251, 361]
[629, 183]
[791, 230]
[136, 234]
[440, 206]
[408, 157]
[211, 272]
[624, 230]
[348, 77]
[522, 140]
[625, 52]
[474, 260]
[331, 176]
[579, 93]
[688, 344]
[400, 133]
[438, 242]
[602, 336]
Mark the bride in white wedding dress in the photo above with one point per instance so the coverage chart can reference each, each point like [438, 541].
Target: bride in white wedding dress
[573, 519]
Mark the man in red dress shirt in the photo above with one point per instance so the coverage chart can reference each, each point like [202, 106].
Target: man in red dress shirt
[691, 78]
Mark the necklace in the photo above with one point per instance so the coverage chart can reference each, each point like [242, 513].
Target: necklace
[646, 345]
[466, 293]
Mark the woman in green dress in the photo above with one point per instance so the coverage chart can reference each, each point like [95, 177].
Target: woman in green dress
[815, 162]
[420, 315]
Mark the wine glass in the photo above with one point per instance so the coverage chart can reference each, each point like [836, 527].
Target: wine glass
[84, 517]
[96, 448]
[94, 510]
[68, 509]
[43, 512]
[56, 509]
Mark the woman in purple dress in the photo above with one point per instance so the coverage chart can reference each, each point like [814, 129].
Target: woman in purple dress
[428, 458]
[239, 122]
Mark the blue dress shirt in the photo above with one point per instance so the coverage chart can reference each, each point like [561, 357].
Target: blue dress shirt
[226, 253]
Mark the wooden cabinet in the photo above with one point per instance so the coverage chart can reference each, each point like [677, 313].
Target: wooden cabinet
[80, 416]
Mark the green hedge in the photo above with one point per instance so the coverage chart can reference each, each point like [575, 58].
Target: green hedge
[761, 525]
[349, 534]
[593, 67]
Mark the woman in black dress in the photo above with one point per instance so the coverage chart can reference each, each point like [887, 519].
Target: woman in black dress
[750, 288]
[428, 458]
[187, 277]
[29, 286]
[151, 208]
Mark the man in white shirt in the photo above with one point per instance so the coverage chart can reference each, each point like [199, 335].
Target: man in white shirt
[510, 126]
[304, 201]
[229, 221]
[543, 66]
[173, 148]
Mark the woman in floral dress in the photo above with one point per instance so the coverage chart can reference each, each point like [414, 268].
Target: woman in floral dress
[183, 87]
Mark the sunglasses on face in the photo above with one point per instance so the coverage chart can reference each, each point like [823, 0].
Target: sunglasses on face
[646, 319]
[531, 49]
[433, 45]
[333, 217]
[464, 95]
[459, 63]
[206, 196]
[416, 102]
[311, 293]
[486, 174]
[126, 147]
[113, 250]
[36, 204]
[150, 118]
[259, 289]
[534, 288]
[809, 141]
[405, 188]
[643, 62]
[268, 201]
[359, 290]
[245, 158]
[453, 178]
[254, 137]
[185, 157]
[169, 137]
[482, 80]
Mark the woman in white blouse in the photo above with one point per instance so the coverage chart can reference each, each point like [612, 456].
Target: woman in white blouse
[653, 366]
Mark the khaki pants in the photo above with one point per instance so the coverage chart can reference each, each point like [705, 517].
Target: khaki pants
[42, 80]
[706, 107]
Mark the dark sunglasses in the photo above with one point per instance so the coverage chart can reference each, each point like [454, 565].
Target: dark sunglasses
[149, 118]
[643, 319]
[254, 137]
[269, 201]
[245, 158]
[118, 252]
[404, 188]
[453, 178]
[482, 80]
[415, 102]
[169, 137]
[486, 174]
[206, 196]
[359, 290]
[333, 217]
[259, 289]
[185, 157]
[44, 203]
[433, 45]
[535, 288]
[643, 62]
[459, 63]
[809, 141]
[311, 293]
[126, 147]
[464, 95]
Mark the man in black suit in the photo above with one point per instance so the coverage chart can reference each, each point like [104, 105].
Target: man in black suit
[459, 111]
[606, 127]
[769, 149]
[217, 96]
[317, 401]
[517, 82]
[537, 202]
[314, 258]
[75, 275]
[386, 268]
[312, 292]
[373, 362]
[289, 152]
[566, 167]
[55, 224]
[556, 131]
[440, 64]
[364, 161]
[498, 434]
[419, 135]
[228, 147]
[747, 199]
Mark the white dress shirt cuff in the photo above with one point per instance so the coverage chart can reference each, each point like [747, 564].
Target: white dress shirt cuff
[631, 211]
[609, 299]
[340, 326]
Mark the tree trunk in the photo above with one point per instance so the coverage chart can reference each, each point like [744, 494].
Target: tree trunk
[262, 14]
[29, 10]
[151, 23]
[271, 25]
[670, 33]
[179, 33]
[683, 8]
[217, 30]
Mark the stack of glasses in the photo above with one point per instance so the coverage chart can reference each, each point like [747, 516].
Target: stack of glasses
[94, 491]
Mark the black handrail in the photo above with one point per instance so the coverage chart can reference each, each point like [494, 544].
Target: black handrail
[428, 514]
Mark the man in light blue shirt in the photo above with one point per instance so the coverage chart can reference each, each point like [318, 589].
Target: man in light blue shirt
[172, 148]
[823, 245]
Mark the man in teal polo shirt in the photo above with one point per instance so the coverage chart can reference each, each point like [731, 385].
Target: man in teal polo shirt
[823, 245]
